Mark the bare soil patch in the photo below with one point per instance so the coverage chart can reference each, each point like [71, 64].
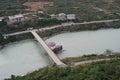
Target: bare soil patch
[37, 5]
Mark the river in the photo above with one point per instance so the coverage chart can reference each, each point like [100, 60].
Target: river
[87, 42]
[21, 58]
[27, 56]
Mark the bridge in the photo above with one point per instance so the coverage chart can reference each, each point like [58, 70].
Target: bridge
[51, 54]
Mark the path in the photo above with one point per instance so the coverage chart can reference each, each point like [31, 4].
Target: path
[91, 61]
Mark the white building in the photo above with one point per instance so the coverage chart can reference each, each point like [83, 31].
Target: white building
[15, 18]
[70, 16]
[61, 16]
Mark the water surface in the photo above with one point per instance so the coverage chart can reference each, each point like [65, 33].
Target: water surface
[87, 42]
[21, 58]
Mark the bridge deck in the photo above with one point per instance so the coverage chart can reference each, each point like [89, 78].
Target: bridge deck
[48, 50]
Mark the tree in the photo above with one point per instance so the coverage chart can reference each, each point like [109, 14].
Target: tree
[1, 38]
[108, 52]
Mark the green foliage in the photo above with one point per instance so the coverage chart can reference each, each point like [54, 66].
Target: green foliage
[84, 9]
[35, 23]
[87, 9]
[105, 70]
[1, 38]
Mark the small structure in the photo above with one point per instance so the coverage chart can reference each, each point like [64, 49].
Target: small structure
[70, 16]
[51, 44]
[55, 48]
[61, 16]
[40, 12]
[30, 28]
[15, 18]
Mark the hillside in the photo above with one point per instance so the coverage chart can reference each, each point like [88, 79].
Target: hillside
[11, 7]
[88, 9]
[84, 9]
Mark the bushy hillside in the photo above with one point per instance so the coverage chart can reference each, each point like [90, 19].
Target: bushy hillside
[84, 9]
[106, 70]
[88, 9]
[8, 7]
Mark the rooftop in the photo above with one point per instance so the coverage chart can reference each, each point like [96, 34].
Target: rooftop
[15, 16]
[61, 14]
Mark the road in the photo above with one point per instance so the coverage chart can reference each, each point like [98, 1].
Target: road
[91, 61]
[62, 25]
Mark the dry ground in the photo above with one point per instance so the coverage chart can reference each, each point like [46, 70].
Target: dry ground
[37, 5]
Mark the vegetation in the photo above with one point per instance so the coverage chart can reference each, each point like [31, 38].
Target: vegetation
[87, 9]
[35, 23]
[84, 9]
[8, 7]
[103, 70]
[1, 38]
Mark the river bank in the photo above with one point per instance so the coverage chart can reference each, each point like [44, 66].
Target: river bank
[58, 72]
[108, 54]
[55, 31]
[82, 27]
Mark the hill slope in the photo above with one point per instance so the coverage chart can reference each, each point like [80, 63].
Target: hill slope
[88, 9]
[84, 9]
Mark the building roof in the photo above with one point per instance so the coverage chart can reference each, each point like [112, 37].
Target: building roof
[15, 16]
[61, 14]
[70, 14]
[51, 44]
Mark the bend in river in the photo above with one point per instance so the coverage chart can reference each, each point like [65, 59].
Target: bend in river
[26, 56]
